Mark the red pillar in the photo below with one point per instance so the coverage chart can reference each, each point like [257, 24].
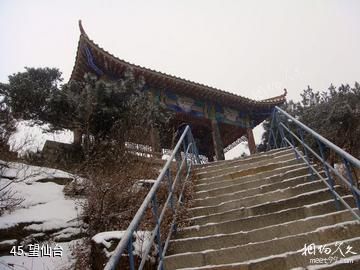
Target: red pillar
[251, 141]
[217, 142]
[77, 136]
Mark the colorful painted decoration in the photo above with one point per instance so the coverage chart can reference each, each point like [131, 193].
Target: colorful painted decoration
[200, 108]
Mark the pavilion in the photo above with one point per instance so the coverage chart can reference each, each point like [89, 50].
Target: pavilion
[217, 118]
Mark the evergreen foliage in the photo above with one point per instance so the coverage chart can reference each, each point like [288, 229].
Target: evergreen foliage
[335, 114]
[6, 120]
[28, 92]
[99, 109]
[105, 110]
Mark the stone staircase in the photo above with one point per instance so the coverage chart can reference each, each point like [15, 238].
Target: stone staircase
[258, 213]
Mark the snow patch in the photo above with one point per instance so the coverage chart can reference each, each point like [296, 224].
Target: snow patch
[30, 137]
[142, 240]
[66, 261]
[40, 199]
[10, 242]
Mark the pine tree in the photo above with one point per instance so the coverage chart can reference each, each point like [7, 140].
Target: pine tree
[106, 110]
[28, 92]
[335, 114]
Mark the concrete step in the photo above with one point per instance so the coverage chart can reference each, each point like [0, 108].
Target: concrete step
[295, 260]
[258, 213]
[250, 181]
[262, 197]
[243, 237]
[251, 251]
[232, 168]
[270, 166]
[254, 218]
[290, 195]
[249, 159]
[260, 188]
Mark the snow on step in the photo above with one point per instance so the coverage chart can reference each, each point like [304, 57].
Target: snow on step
[269, 167]
[294, 181]
[249, 159]
[240, 253]
[207, 226]
[270, 205]
[293, 260]
[244, 166]
[259, 215]
[251, 181]
[266, 208]
[263, 196]
[259, 234]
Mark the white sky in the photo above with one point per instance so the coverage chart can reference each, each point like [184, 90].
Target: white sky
[252, 48]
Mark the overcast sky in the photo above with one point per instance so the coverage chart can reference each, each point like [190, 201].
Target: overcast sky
[251, 48]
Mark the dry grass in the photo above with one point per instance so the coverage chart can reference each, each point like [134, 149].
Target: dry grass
[112, 201]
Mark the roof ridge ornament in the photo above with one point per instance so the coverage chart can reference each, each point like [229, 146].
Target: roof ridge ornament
[82, 31]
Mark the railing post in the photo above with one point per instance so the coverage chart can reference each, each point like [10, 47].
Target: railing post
[291, 138]
[178, 158]
[271, 135]
[131, 255]
[158, 235]
[301, 132]
[195, 151]
[268, 146]
[328, 175]
[168, 174]
[282, 134]
[277, 123]
[193, 156]
[185, 142]
[348, 171]
[178, 161]
[189, 152]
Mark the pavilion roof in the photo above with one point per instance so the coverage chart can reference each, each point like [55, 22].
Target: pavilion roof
[109, 64]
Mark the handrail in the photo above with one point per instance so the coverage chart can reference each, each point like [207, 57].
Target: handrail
[190, 152]
[280, 125]
[325, 141]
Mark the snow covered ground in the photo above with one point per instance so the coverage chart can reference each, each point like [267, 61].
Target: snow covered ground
[30, 137]
[238, 150]
[62, 262]
[46, 216]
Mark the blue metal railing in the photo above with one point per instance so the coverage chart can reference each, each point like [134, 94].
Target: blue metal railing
[190, 156]
[283, 124]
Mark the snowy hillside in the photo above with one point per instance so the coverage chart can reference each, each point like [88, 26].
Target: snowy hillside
[46, 217]
[30, 137]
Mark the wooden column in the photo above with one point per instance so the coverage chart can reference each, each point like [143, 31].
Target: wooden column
[251, 141]
[155, 140]
[217, 142]
[77, 136]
